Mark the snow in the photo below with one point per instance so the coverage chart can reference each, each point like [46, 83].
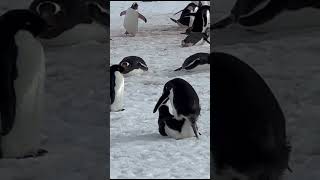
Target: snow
[74, 131]
[288, 60]
[137, 150]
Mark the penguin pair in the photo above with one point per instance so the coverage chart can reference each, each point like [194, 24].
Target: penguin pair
[185, 107]
[248, 133]
[65, 15]
[131, 19]
[22, 75]
[257, 12]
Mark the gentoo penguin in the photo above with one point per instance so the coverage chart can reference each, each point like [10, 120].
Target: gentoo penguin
[186, 20]
[131, 19]
[70, 21]
[22, 75]
[195, 38]
[201, 21]
[195, 60]
[116, 87]
[133, 65]
[257, 12]
[184, 102]
[248, 136]
[169, 126]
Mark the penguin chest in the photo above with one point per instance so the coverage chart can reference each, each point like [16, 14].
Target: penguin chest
[118, 90]
[24, 138]
[131, 21]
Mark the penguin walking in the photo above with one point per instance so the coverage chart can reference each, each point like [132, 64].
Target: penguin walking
[22, 75]
[185, 20]
[116, 87]
[185, 106]
[133, 65]
[248, 136]
[194, 61]
[131, 19]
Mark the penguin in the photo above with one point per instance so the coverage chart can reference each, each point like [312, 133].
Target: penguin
[131, 19]
[116, 87]
[22, 75]
[248, 136]
[195, 38]
[169, 126]
[184, 20]
[201, 19]
[133, 65]
[195, 60]
[185, 105]
[68, 19]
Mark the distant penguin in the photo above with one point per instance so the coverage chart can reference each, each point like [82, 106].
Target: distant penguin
[185, 106]
[131, 19]
[169, 126]
[22, 75]
[248, 136]
[195, 38]
[69, 21]
[186, 20]
[195, 60]
[133, 65]
[116, 87]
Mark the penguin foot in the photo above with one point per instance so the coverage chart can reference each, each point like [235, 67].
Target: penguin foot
[38, 153]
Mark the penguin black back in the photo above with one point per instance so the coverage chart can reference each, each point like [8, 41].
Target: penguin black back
[11, 22]
[113, 69]
[249, 132]
[200, 18]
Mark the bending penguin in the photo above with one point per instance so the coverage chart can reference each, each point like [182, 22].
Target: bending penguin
[185, 19]
[185, 106]
[22, 75]
[133, 65]
[116, 87]
[248, 136]
[131, 19]
[195, 60]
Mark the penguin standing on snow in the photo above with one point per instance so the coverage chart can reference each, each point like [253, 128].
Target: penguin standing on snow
[22, 75]
[186, 20]
[194, 61]
[201, 19]
[116, 87]
[131, 19]
[248, 136]
[185, 106]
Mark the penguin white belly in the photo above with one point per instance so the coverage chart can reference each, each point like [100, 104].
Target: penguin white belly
[186, 131]
[134, 72]
[131, 21]
[119, 88]
[24, 138]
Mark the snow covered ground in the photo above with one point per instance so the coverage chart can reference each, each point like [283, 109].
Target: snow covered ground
[75, 132]
[288, 60]
[137, 150]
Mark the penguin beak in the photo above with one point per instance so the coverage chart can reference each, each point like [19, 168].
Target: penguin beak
[162, 100]
[193, 125]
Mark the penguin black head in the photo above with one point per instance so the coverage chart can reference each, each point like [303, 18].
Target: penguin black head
[134, 6]
[115, 68]
[22, 19]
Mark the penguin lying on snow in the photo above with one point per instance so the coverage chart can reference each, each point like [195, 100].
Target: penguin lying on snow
[22, 75]
[195, 60]
[131, 19]
[186, 109]
[133, 65]
[195, 38]
[186, 20]
[116, 87]
[248, 136]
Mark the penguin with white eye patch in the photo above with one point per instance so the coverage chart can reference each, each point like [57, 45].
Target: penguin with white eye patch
[133, 65]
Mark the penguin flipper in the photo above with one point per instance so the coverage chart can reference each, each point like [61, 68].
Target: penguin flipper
[143, 18]
[264, 15]
[123, 13]
[179, 69]
[174, 20]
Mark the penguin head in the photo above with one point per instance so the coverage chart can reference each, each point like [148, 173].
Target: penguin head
[116, 67]
[23, 19]
[134, 6]
[165, 95]
[191, 6]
